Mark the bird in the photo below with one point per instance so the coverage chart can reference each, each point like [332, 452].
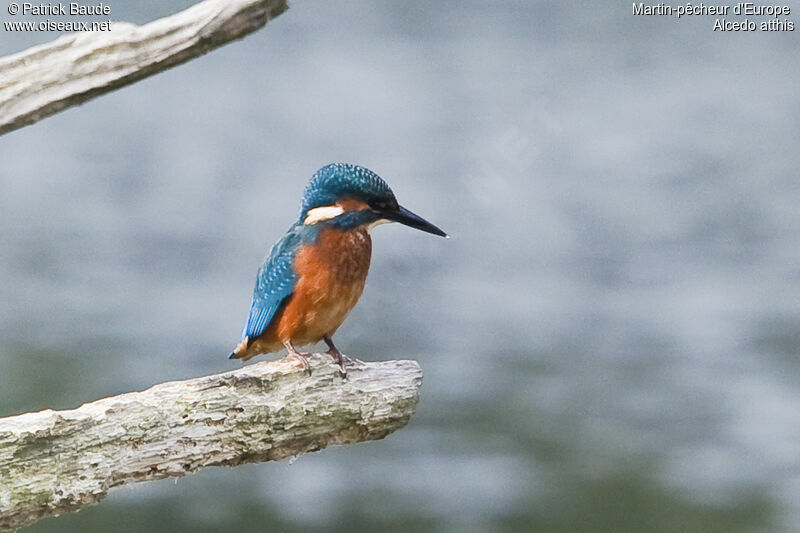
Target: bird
[313, 276]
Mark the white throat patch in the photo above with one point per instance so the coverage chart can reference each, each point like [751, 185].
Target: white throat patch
[378, 223]
[318, 214]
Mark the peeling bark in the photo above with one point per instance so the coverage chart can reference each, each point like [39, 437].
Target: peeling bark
[77, 67]
[53, 462]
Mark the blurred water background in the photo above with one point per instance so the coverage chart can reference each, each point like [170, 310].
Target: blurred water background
[610, 339]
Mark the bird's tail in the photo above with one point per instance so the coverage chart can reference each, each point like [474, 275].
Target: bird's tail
[239, 351]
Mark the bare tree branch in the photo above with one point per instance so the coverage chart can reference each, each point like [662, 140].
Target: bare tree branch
[75, 68]
[52, 462]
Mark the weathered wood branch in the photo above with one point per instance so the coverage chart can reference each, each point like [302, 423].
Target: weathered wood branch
[52, 462]
[74, 68]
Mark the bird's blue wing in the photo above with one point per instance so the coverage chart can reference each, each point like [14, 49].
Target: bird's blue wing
[274, 284]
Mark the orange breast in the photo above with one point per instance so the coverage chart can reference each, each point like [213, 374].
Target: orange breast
[331, 276]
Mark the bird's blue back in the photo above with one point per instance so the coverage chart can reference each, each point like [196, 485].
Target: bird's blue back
[276, 279]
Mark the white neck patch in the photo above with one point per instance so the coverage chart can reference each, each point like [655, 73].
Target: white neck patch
[318, 214]
[378, 223]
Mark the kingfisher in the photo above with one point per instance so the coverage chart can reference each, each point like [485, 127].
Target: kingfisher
[314, 275]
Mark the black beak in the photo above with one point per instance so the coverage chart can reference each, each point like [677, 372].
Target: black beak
[404, 216]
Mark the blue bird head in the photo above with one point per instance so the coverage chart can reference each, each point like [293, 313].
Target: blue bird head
[349, 195]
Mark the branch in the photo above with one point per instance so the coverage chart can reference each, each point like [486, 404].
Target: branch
[75, 68]
[57, 461]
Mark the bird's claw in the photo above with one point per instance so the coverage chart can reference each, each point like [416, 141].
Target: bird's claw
[302, 357]
[339, 359]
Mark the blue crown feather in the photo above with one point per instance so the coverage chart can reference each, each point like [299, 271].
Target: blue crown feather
[339, 180]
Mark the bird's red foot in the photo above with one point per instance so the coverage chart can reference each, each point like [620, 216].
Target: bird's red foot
[301, 356]
[336, 354]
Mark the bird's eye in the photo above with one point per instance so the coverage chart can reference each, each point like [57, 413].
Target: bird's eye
[383, 205]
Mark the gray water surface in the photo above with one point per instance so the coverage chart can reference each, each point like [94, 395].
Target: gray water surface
[610, 338]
